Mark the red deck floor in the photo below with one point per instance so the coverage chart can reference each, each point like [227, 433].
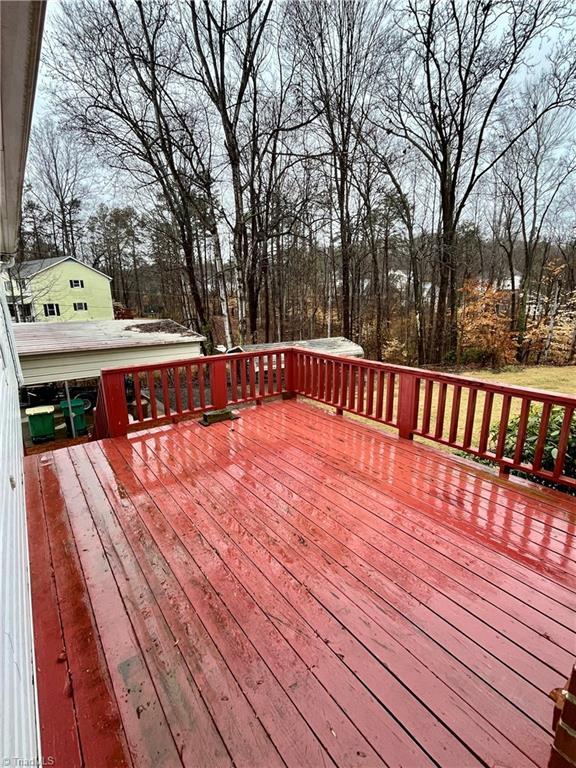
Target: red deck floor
[296, 589]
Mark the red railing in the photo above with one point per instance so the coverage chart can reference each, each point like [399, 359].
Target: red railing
[466, 414]
[142, 396]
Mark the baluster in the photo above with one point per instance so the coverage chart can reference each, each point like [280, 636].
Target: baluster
[189, 388]
[541, 441]
[152, 391]
[243, 390]
[352, 389]
[270, 366]
[370, 393]
[177, 393]
[504, 418]
[233, 379]
[522, 427]
[165, 392]
[390, 393]
[439, 430]
[470, 414]
[455, 416]
[563, 442]
[138, 397]
[485, 428]
[428, 394]
[360, 404]
[202, 386]
[380, 395]
[252, 377]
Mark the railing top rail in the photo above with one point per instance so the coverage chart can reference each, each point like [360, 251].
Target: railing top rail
[539, 395]
[199, 359]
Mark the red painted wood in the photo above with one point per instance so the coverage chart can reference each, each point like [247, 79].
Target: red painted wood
[177, 390]
[470, 416]
[165, 392]
[99, 726]
[563, 442]
[201, 387]
[138, 398]
[307, 550]
[370, 392]
[522, 426]
[58, 728]
[233, 381]
[486, 420]
[380, 394]
[188, 556]
[189, 389]
[179, 700]
[408, 394]
[361, 404]
[244, 735]
[504, 417]
[152, 391]
[280, 655]
[447, 475]
[428, 393]
[343, 616]
[541, 440]
[506, 622]
[455, 417]
[441, 410]
[219, 384]
[351, 389]
[339, 682]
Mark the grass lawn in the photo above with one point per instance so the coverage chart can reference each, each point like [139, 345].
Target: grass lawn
[554, 378]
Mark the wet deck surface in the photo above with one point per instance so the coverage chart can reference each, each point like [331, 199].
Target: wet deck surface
[294, 588]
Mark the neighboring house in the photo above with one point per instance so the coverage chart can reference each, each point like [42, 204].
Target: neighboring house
[60, 289]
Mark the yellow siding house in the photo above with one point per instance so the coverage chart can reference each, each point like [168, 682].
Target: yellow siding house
[58, 290]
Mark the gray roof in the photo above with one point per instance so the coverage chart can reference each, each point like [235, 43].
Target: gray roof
[30, 268]
[54, 338]
[335, 345]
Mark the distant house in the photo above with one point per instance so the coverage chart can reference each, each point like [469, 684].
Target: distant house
[60, 289]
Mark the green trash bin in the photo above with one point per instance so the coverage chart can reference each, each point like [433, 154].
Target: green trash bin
[78, 411]
[41, 423]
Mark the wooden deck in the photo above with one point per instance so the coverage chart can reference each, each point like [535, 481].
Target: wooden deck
[294, 588]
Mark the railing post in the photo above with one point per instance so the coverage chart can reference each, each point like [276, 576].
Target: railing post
[563, 754]
[219, 384]
[114, 401]
[407, 404]
[291, 377]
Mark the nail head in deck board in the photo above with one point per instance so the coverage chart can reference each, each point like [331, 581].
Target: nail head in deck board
[298, 502]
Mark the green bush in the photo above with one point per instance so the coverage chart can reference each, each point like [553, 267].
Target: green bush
[550, 447]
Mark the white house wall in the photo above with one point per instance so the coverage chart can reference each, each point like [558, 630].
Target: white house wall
[19, 737]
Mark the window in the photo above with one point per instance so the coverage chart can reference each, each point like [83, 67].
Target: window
[51, 310]
[76, 283]
[80, 306]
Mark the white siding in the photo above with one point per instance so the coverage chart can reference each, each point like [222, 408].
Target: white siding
[41, 369]
[19, 733]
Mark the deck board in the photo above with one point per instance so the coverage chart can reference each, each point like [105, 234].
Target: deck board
[295, 588]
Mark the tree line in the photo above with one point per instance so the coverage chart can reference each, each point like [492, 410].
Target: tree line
[296, 169]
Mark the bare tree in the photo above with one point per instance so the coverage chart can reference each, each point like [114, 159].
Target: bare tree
[457, 64]
[60, 175]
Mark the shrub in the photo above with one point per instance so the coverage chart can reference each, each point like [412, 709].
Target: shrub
[550, 447]
[484, 326]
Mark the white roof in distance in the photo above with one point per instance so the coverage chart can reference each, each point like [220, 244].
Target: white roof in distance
[56, 338]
